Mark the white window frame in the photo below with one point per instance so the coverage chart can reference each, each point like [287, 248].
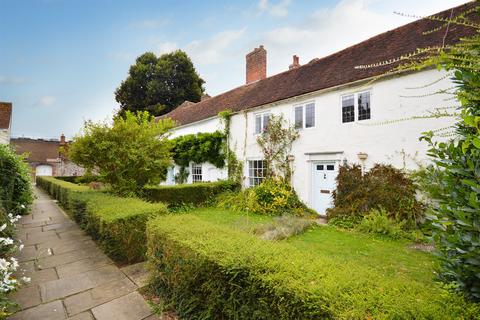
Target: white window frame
[303, 107]
[262, 121]
[355, 105]
[197, 177]
[254, 180]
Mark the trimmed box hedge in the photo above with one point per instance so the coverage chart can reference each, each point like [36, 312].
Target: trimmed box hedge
[206, 271]
[118, 224]
[195, 193]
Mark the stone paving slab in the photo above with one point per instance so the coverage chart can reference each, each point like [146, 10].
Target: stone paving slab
[51, 311]
[98, 295]
[129, 307]
[71, 278]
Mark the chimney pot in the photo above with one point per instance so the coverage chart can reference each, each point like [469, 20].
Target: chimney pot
[62, 139]
[256, 66]
[295, 63]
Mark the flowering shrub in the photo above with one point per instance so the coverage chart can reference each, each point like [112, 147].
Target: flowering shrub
[15, 196]
[8, 264]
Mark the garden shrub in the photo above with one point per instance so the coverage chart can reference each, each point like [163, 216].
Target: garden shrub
[272, 197]
[377, 221]
[85, 179]
[15, 181]
[15, 196]
[206, 271]
[118, 224]
[188, 194]
[382, 187]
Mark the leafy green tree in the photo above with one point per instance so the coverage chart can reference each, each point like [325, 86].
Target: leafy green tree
[454, 179]
[159, 84]
[130, 153]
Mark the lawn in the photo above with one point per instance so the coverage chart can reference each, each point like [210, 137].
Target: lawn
[392, 258]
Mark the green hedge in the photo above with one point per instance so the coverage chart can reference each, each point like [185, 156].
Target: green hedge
[78, 179]
[118, 224]
[206, 271]
[196, 193]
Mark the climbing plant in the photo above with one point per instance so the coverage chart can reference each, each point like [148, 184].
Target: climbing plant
[198, 148]
[234, 166]
[276, 143]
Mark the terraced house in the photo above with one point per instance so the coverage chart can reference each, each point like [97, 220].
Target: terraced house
[342, 115]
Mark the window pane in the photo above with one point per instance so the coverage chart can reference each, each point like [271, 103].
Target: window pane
[196, 172]
[258, 124]
[348, 108]
[266, 120]
[310, 115]
[298, 117]
[256, 172]
[364, 106]
[330, 167]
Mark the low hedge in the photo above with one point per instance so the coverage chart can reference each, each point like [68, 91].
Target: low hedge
[206, 271]
[196, 193]
[78, 179]
[118, 224]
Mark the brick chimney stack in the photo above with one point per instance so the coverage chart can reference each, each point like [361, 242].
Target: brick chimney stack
[62, 140]
[295, 63]
[256, 65]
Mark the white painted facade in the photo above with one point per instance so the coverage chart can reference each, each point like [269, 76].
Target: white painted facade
[383, 137]
[5, 136]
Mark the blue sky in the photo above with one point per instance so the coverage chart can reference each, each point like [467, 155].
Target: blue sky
[61, 60]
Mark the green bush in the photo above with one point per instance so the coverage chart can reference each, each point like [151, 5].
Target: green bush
[187, 194]
[15, 181]
[207, 271]
[272, 197]
[378, 222]
[382, 187]
[118, 224]
[86, 179]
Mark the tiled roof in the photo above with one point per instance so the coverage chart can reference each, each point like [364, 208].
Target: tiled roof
[5, 115]
[38, 150]
[331, 71]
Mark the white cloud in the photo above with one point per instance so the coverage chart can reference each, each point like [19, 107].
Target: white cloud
[215, 49]
[166, 47]
[279, 9]
[46, 101]
[11, 80]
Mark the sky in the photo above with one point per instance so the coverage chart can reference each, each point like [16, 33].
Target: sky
[61, 60]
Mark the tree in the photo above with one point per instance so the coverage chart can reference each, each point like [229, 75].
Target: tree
[276, 143]
[159, 84]
[130, 153]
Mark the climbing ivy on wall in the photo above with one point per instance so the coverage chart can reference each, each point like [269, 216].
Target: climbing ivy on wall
[199, 148]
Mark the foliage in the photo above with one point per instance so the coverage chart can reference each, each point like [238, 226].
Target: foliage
[207, 271]
[382, 187]
[118, 224]
[345, 221]
[234, 166]
[453, 181]
[132, 152]
[15, 196]
[199, 148]
[159, 84]
[15, 182]
[276, 143]
[85, 179]
[273, 197]
[283, 227]
[377, 221]
[184, 194]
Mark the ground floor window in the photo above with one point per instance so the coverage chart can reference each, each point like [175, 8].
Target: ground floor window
[196, 173]
[256, 172]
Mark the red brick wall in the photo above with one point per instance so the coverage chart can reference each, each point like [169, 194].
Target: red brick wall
[256, 65]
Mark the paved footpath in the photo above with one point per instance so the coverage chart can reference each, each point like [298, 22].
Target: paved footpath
[71, 278]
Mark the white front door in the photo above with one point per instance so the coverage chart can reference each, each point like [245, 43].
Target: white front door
[43, 170]
[323, 184]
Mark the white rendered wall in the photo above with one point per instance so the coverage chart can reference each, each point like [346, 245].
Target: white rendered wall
[4, 136]
[395, 143]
